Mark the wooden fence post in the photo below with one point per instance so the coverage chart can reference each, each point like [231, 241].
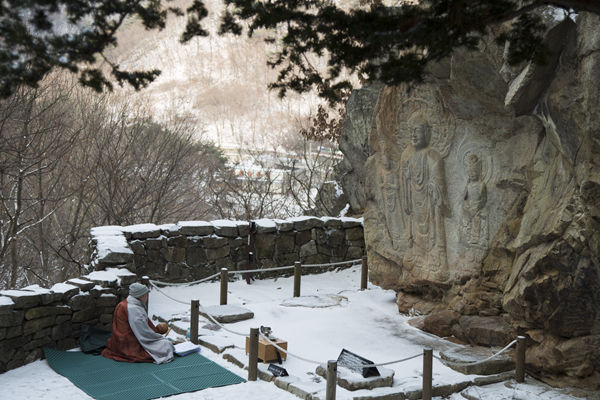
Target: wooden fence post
[146, 280]
[194, 321]
[297, 277]
[520, 361]
[331, 380]
[224, 279]
[364, 273]
[253, 355]
[427, 373]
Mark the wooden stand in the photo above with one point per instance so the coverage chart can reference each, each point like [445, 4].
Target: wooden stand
[266, 351]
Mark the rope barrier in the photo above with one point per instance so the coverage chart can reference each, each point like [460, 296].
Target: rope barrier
[208, 278]
[287, 352]
[202, 309]
[260, 270]
[332, 264]
[447, 362]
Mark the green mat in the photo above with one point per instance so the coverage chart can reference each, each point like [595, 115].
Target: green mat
[107, 379]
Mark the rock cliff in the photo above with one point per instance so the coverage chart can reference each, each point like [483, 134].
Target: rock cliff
[481, 198]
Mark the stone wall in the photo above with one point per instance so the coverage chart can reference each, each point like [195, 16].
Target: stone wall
[482, 197]
[34, 317]
[191, 250]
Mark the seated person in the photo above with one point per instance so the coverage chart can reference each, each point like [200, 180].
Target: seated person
[134, 337]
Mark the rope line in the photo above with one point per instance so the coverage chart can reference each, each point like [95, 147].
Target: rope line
[332, 264]
[287, 352]
[447, 362]
[208, 278]
[260, 270]
[201, 308]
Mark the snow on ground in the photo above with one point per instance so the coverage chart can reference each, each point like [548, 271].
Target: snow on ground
[333, 315]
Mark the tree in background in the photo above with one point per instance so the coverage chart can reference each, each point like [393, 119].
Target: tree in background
[388, 44]
[70, 160]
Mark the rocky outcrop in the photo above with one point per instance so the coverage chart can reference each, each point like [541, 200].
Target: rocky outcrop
[482, 199]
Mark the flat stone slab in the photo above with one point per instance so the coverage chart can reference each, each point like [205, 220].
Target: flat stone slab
[351, 380]
[217, 344]
[322, 301]
[227, 313]
[463, 356]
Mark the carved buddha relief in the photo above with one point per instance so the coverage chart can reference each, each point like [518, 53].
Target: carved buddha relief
[474, 220]
[423, 198]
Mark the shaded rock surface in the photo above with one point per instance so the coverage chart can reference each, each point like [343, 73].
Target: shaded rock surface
[482, 198]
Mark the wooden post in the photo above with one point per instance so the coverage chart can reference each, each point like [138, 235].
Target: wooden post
[253, 355]
[520, 361]
[224, 279]
[194, 321]
[427, 373]
[331, 380]
[297, 277]
[364, 273]
[146, 280]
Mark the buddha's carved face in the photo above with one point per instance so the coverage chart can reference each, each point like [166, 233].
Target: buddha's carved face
[419, 136]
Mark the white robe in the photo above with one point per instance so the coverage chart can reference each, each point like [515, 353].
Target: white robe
[155, 344]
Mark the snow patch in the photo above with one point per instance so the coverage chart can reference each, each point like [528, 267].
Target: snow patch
[63, 288]
[6, 301]
[265, 223]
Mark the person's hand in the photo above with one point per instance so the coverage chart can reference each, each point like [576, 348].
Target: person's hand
[162, 328]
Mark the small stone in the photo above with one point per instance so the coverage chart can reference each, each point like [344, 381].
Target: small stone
[81, 301]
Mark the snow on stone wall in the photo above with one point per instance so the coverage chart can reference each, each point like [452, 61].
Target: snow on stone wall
[34, 317]
[191, 250]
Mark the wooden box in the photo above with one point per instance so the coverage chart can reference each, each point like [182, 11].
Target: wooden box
[266, 351]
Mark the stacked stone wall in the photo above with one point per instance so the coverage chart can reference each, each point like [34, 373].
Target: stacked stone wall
[192, 250]
[33, 318]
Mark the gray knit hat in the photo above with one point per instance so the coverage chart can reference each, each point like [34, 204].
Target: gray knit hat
[137, 290]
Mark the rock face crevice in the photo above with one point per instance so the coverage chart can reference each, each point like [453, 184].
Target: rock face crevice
[482, 198]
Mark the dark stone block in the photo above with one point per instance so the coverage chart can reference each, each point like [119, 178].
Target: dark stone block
[318, 235]
[264, 245]
[138, 247]
[156, 243]
[62, 330]
[214, 242]
[43, 333]
[226, 231]
[81, 301]
[286, 243]
[215, 254]
[195, 256]
[106, 300]
[303, 238]
[84, 315]
[177, 241]
[39, 312]
[11, 318]
[336, 238]
[201, 229]
[355, 233]
[354, 253]
[307, 223]
[36, 325]
[334, 223]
